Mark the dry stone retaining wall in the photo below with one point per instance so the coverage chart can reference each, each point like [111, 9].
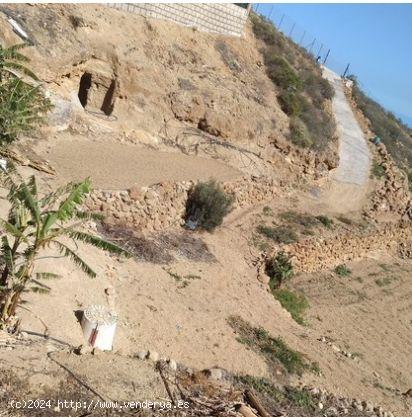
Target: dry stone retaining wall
[226, 19]
[317, 254]
[163, 205]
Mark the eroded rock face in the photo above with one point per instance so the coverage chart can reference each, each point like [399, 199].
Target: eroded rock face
[392, 195]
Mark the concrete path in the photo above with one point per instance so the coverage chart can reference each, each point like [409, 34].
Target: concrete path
[347, 190]
[354, 154]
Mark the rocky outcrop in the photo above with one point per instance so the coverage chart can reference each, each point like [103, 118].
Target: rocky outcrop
[391, 195]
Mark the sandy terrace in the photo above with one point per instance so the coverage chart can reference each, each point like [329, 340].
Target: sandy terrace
[126, 165]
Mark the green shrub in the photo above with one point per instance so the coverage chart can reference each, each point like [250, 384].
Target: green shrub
[281, 73]
[326, 221]
[279, 234]
[279, 269]
[377, 171]
[317, 87]
[207, 204]
[342, 270]
[264, 29]
[394, 134]
[21, 108]
[290, 102]
[299, 133]
[320, 124]
[303, 90]
[296, 304]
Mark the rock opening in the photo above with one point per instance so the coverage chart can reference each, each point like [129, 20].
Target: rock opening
[97, 92]
[84, 87]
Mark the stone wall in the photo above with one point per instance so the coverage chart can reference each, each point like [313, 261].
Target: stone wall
[315, 254]
[226, 19]
[163, 205]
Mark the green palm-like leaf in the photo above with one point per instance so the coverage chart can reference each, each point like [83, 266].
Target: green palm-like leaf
[77, 195]
[11, 59]
[66, 251]
[6, 253]
[14, 68]
[29, 201]
[11, 229]
[85, 215]
[50, 199]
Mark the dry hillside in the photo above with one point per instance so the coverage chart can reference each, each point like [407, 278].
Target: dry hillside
[147, 109]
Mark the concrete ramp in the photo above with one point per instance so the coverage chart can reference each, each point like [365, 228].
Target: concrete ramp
[354, 156]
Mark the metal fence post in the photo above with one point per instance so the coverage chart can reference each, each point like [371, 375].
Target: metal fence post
[281, 21]
[326, 57]
[346, 70]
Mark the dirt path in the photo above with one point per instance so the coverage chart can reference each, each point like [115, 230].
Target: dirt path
[113, 165]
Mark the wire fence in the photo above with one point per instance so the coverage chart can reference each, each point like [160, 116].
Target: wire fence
[298, 34]
[307, 40]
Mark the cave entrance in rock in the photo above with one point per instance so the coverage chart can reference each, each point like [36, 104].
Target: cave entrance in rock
[108, 101]
[97, 92]
[84, 87]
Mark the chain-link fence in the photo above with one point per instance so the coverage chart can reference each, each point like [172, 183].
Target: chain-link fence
[314, 45]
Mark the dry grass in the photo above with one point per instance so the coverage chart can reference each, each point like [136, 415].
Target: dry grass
[160, 248]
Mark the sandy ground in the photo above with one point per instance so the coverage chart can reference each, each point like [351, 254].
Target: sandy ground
[188, 322]
[113, 165]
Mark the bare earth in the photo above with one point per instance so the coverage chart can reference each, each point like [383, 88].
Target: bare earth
[189, 322]
[113, 165]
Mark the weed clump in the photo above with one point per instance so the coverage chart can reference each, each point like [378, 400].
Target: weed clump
[342, 271]
[377, 171]
[296, 304]
[326, 221]
[279, 234]
[300, 398]
[274, 349]
[279, 269]
[207, 205]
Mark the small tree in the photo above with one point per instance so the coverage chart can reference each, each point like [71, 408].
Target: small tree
[22, 104]
[35, 223]
[279, 269]
[207, 205]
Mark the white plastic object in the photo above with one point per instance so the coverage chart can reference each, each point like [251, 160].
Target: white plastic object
[3, 164]
[99, 327]
[18, 29]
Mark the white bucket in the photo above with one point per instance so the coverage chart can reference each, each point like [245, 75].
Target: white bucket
[99, 327]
